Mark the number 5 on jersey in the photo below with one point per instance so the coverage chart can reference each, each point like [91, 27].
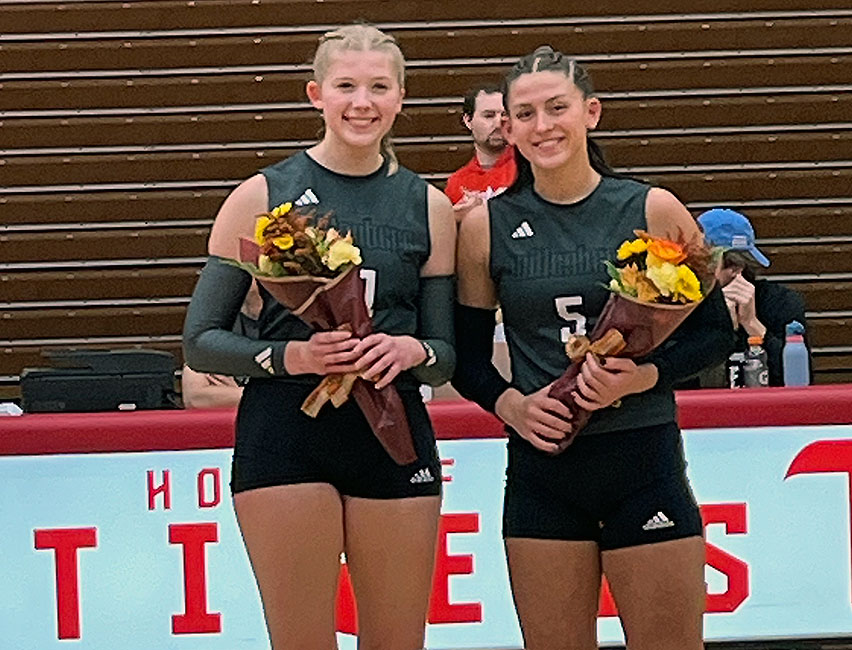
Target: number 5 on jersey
[576, 319]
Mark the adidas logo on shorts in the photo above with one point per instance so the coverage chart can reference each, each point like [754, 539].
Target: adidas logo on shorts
[422, 476]
[658, 521]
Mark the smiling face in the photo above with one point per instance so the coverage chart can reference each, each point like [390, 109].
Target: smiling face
[359, 96]
[549, 118]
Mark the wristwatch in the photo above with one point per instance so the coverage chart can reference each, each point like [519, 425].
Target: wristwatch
[431, 357]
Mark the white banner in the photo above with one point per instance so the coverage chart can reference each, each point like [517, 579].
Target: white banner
[141, 550]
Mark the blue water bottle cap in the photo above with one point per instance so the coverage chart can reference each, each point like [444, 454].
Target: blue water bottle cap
[794, 327]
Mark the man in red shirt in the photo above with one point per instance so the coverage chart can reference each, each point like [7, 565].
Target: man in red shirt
[492, 168]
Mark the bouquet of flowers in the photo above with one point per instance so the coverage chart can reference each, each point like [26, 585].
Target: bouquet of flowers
[312, 270]
[655, 283]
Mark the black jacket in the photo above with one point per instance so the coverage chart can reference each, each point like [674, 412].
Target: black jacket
[775, 305]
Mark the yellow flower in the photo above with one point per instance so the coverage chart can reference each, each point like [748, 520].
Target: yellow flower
[331, 234]
[664, 276]
[259, 226]
[284, 242]
[687, 284]
[629, 248]
[653, 260]
[282, 209]
[342, 252]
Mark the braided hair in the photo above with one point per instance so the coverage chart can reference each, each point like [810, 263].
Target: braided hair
[543, 59]
[361, 37]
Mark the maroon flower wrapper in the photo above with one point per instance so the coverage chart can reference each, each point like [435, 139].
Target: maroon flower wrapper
[338, 303]
[644, 327]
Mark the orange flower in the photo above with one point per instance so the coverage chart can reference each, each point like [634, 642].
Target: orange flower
[667, 251]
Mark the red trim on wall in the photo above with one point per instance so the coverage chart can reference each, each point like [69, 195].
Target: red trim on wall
[764, 407]
[68, 433]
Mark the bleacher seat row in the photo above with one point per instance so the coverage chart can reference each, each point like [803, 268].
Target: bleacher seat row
[123, 125]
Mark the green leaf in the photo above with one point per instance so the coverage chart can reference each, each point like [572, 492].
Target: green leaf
[614, 271]
[278, 270]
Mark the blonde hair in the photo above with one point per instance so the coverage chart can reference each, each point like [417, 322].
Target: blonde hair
[361, 37]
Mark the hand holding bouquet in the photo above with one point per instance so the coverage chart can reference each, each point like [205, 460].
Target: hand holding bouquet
[655, 283]
[312, 270]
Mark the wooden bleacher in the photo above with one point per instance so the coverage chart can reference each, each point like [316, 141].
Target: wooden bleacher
[123, 125]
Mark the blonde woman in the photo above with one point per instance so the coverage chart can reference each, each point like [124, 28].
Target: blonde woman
[306, 490]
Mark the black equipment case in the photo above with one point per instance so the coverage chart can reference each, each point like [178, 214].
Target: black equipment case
[100, 380]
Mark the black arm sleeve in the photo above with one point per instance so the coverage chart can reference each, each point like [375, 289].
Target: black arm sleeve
[704, 339]
[435, 327]
[208, 342]
[476, 378]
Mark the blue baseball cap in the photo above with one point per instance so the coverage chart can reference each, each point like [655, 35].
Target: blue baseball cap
[732, 231]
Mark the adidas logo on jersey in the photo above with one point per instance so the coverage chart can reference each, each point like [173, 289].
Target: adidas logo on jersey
[523, 231]
[264, 360]
[308, 198]
[422, 476]
[491, 192]
[658, 521]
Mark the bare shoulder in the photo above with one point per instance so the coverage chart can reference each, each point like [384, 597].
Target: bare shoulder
[475, 232]
[442, 233]
[440, 210]
[475, 286]
[235, 218]
[436, 197]
[668, 217]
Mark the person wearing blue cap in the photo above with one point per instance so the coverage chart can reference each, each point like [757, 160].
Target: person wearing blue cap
[758, 307]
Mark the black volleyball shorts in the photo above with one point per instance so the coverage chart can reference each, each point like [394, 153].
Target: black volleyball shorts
[617, 489]
[277, 444]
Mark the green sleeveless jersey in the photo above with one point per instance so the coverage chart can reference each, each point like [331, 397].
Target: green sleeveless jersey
[388, 217]
[547, 263]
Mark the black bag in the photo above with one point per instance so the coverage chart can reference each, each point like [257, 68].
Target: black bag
[100, 380]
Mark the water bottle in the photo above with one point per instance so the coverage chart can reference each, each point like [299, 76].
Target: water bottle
[734, 367]
[795, 358]
[755, 370]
